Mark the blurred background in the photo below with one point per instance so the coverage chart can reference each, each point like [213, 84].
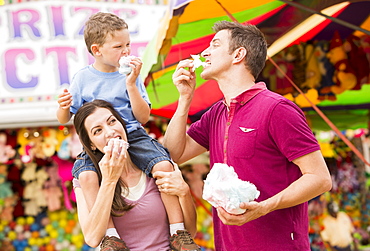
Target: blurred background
[42, 47]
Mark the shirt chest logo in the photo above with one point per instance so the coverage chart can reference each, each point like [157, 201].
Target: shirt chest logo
[243, 129]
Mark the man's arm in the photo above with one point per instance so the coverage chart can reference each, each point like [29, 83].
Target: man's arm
[180, 145]
[314, 181]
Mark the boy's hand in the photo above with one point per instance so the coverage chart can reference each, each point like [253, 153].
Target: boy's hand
[136, 65]
[65, 100]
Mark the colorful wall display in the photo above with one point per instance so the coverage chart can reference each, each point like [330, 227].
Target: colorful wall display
[43, 46]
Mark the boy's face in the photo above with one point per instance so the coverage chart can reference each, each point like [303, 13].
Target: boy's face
[113, 49]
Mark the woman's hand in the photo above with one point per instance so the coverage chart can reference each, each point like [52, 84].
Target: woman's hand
[171, 183]
[113, 161]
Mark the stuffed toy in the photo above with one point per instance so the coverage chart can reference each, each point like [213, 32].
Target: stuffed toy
[311, 94]
[277, 81]
[365, 45]
[52, 188]
[6, 245]
[30, 145]
[358, 60]
[344, 76]
[23, 140]
[5, 186]
[295, 55]
[6, 151]
[347, 179]
[64, 151]
[7, 197]
[64, 172]
[326, 70]
[30, 188]
[61, 134]
[313, 75]
[29, 172]
[49, 142]
[14, 177]
[75, 145]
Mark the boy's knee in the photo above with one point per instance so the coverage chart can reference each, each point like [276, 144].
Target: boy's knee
[88, 177]
[164, 166]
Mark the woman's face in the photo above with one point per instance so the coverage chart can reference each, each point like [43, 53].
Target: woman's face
[102, 126]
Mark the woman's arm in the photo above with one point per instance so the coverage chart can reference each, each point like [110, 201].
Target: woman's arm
[172, 183]
[95, 211]
[94, 222]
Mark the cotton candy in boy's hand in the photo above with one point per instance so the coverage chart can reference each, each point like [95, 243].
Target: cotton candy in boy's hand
[124, 64]
[197, 62]
[223, 188]
[122, 143]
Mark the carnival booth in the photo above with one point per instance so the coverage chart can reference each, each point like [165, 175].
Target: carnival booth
[42, 47]
[319, 57]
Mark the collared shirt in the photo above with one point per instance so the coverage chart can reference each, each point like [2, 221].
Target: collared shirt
[241, 100]
[260, 134]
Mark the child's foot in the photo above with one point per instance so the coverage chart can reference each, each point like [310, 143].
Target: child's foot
[182, 241]
[112, 243]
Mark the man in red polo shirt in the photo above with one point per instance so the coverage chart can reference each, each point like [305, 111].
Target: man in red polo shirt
[261, 134]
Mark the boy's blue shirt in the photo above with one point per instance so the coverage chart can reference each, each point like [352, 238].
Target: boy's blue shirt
[89, 84]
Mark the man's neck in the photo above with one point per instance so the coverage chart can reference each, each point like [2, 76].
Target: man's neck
[232, 90]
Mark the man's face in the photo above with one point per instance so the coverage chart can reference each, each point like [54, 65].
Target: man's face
[217, 56]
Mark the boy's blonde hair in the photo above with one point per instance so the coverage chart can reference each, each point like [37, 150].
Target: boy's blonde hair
[99, 26]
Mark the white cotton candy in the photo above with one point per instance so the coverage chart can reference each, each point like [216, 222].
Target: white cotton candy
[223, 188]
[124, 64]
[197, 62]
[121, 142]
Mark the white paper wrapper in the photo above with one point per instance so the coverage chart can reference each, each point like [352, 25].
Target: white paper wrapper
[124, 65]
[223, 188]
[197, 62]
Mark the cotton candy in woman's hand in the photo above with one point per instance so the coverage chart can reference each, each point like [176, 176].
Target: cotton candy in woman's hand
[223, 188]
[122, 144]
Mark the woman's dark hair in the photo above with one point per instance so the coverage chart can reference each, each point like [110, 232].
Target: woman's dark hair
[119, 205]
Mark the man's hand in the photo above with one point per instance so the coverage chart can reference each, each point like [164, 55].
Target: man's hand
[184, 78]
[171, 183]
[253, 211]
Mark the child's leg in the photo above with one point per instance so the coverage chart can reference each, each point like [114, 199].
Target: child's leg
[171, 202]
[181, 239]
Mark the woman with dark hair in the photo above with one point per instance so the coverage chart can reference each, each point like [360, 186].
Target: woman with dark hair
[125, 192]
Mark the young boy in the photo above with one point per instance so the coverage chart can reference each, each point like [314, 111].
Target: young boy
[107, 38]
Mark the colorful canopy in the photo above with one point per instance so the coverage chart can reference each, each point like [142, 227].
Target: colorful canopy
[186, 30]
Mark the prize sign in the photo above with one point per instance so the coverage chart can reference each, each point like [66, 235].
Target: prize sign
[42, 43]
